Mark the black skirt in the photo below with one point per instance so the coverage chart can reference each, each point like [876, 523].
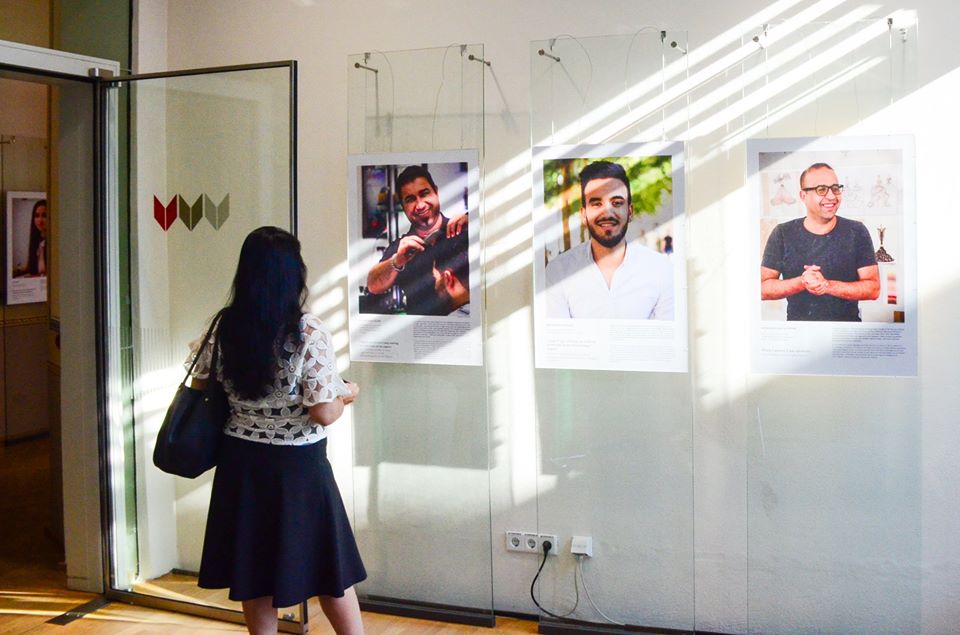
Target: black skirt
[277, 525]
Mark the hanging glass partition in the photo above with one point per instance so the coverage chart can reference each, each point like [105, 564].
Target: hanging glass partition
[613, 396]
[834, 440]
[212, 158]
[421, 492]
[827, 537]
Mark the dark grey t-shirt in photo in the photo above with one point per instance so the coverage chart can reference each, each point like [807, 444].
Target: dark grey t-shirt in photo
[839, 254]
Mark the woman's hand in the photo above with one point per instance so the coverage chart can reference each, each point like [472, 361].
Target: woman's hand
[354, 391]
[327, 412]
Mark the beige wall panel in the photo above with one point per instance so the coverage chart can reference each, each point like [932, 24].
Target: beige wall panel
[25, 379]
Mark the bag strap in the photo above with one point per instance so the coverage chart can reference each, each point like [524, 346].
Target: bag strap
[216, 350]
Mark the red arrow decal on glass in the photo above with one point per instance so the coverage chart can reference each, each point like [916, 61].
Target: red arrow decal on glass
[165, 215]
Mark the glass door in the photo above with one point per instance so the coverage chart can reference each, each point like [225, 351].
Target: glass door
[211, 157]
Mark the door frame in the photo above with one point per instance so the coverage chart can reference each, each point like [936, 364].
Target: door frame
[77, 182]
[88, 495]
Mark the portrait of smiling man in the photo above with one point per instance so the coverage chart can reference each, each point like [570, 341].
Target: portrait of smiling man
[822, 263]
[409, 260]
[608, 276]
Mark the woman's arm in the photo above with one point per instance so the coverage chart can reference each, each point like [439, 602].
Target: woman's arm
[327, 412]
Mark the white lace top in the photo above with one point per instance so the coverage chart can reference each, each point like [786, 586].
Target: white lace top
[306, 375]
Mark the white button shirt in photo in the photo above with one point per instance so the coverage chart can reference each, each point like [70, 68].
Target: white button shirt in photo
[641, 288]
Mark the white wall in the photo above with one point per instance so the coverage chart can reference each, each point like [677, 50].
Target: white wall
[742, 499]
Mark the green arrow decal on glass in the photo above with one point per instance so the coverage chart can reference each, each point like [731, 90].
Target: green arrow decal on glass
[217, 214]
[189, 215]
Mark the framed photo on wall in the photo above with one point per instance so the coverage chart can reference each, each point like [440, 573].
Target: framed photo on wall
[414, 252]
[610, 257]
[26, 270]
[836, 280]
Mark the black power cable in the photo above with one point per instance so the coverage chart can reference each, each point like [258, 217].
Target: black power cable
[547, 546]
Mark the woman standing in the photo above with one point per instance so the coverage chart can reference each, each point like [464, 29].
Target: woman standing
[277, 532]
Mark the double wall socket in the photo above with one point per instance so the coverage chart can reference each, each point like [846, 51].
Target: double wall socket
[529, 542]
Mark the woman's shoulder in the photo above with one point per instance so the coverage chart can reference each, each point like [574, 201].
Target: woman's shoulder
[210, 328]
[312, 327]
[309, 320]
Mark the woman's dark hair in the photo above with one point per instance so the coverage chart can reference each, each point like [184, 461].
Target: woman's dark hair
[33, 263]
[265, 306]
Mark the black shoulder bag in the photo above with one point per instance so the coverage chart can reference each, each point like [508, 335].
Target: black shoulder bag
[188, 443]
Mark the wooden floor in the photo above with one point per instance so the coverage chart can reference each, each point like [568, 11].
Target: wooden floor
[33, 578]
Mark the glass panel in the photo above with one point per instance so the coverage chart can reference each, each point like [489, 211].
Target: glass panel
[822, 78]
[834, 463]
[210, 162]
[608, 89]
[421, 479]
[422, 99]
[615, 448]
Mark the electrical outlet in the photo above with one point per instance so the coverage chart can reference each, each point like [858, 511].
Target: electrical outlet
[515, 541]
[531, 543]
[541, 538]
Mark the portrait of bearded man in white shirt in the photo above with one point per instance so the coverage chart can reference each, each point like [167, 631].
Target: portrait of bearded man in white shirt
[609, 277]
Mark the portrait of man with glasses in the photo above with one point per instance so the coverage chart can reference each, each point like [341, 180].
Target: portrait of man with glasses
[822, 263]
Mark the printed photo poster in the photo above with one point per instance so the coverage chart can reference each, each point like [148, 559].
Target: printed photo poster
[414, 250]
[610, 257]
[26, 271]
[835, 283]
